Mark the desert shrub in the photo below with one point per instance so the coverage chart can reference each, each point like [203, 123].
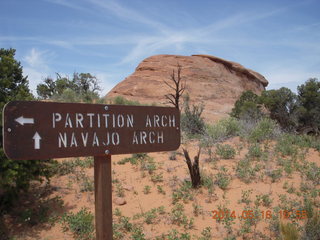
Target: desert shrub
[206, 234]
[119, 100]
[225, 151]
[246, 171]
[147, 189]
[255, 151]
[184, 193]
[311, 227]
[275, 174]
[80, 224]
[173, 155]
[222, 178]
[265, 129]
[286, 145]
[179, 218]
[289, 231]
[69, 166]
[312, 172]
[263, 199]
[207, 181]
[223, 129]
[191, 121]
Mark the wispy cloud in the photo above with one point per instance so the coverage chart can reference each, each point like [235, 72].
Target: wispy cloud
[35, 59]
[36, 66]
[68, 4]
[128, 14]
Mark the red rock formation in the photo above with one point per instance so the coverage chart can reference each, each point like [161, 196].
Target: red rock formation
[215, 82]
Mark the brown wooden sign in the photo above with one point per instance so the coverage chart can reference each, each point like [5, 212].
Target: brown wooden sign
[41, 130]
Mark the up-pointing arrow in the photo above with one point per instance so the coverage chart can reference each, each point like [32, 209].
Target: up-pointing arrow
[23, 120]
[36, 139]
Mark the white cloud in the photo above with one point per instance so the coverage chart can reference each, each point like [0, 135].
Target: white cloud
[35, 59]
[36, 67]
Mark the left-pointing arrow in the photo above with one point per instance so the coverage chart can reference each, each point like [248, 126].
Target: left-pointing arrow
[23, 120]
[36, 139]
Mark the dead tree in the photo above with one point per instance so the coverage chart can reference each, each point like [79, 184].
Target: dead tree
[177, 86]
[193, 168]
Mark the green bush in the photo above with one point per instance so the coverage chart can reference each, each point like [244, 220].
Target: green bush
[311, 227]
[191, 121]
[223, 129]
[222, 179]
[80, 224]
[266, 129]
[255, 151]
[247, 107]
[246, 171]
[119, 100]
[225, 151]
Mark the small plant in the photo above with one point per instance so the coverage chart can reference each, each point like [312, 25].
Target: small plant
[147, 189]
[228, 219]
[173, 155]
[80, 224]
[289, 231]
[285, 145]
[137, 233]
[246, 171]
[291, 189]
[117, 212]
[263, 199]
[148, 164]
[119, 190]
[155, 178]
[175, 235]
[179, 218]
[311, 227]
[207, 182]
[222, 179]
[150, 216]
[183, 193]
[255, 151]
[275, 174]
[206, 234]
[87, 184]
[160, 190]
[225, 151]
[197, 209]
[245, 197]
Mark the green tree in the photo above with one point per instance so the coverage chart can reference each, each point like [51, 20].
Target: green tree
[83, 87]
[309, 110]
[282, 105]
[15, 175]
[247, 107]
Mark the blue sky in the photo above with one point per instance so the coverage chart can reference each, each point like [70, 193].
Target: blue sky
[279, 39]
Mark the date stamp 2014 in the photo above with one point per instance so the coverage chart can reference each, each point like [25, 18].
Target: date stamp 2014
[268, 214]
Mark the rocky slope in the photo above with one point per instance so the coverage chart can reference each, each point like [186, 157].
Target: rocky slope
[215, 82]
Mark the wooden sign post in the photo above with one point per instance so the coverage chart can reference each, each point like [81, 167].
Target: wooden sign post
[42, 130]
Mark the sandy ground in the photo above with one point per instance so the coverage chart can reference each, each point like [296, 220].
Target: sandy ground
[174, 172]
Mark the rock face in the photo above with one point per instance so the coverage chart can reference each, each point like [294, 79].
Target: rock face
[215, 82]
